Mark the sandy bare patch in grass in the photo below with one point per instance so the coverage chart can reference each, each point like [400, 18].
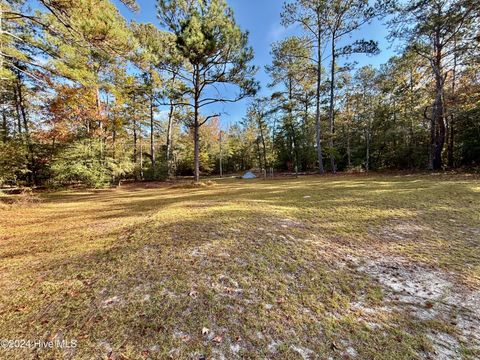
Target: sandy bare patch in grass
[429, 294]
[400, 229]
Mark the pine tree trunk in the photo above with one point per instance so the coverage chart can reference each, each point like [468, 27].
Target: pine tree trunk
[196, 143]
[349, 151]
[411, 142]
[135, 141]
[114, 139]
[367, 157]
[451, 142]
[437, 130]
[221, 154]
[152, 137]
[318, 127]
[367, 130]
[331, 109]
[23, 112]
[451, 133]
[135, 154]
[169, 140]
[294, 146]
[4, 127]
[440, 130]
[99, 116]
[262, 137]
[259, 153]
[141, 157]
[196, 129]
[17, 111]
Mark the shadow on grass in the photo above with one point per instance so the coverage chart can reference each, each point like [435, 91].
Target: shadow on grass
[250, 284]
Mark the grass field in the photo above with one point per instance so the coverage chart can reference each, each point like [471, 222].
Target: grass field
[345, 267]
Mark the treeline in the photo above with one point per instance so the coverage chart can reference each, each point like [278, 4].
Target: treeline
[89, 97]
[420, 110]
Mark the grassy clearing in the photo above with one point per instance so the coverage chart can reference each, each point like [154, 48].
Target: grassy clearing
[280, 269]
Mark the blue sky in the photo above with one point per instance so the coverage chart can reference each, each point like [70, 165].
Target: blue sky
[261, 18]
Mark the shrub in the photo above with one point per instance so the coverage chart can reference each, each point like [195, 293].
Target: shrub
[83, 162]
[13, 162]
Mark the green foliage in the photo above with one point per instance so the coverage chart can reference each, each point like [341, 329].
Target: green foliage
[468, 138]
[82, 162]
[13, 162]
